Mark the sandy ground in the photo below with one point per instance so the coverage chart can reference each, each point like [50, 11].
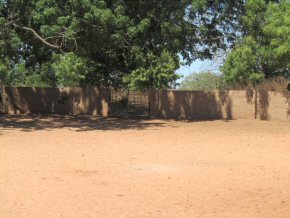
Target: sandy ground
[70, 167]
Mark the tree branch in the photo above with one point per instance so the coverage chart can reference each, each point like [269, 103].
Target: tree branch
[37, 36]
[58, 43]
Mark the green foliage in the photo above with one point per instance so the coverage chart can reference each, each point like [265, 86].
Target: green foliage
[254, 18]
[3, 73]
[158, 73]
[264, 52]
[69, 69]
[9, 42]
[39, 79]
[244, 63]
[111, 36]
[277, 29]
[19, 76]
[202, 81]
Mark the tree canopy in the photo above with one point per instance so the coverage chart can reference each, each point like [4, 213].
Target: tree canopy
[111, 43]
[202, 81]
[264, 50]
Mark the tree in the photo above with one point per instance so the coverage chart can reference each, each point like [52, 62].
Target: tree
[69, 69]
[264, 51]
[277, 30]
[201, 81]
[112, 35]
[159, 74]
[244, 63]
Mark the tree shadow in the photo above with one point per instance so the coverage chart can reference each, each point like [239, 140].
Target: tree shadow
[286, 94]
[191, 105]
[264, 105]
[35, 122]
[226, 102]
[77, 101]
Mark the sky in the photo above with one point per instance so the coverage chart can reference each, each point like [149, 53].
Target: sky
[197, 66]
[194, 67]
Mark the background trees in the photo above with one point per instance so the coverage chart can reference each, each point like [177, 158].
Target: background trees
[110, 40]
[137, 43]
[264, 50]
[202, 81]
[261, 53]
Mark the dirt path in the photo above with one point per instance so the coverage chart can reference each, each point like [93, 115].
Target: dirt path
[73, 168]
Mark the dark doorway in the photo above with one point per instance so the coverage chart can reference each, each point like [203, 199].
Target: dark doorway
[129, 104]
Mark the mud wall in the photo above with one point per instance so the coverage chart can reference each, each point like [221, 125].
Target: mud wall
[273, 106]
[191, 105]
[77, 101]
[207, 105]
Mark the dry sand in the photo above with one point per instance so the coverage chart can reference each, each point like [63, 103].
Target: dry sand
[70, 167]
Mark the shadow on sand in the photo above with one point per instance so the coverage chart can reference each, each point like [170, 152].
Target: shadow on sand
[29, 123]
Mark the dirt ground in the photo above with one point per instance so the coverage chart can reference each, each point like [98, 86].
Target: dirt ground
[72, 167]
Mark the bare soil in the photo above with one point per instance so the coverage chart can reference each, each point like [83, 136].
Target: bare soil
[54, 166]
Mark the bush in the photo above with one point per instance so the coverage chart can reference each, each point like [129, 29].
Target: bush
[202, 81]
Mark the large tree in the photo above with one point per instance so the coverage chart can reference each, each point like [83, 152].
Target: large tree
[115, 38]
[264, 51]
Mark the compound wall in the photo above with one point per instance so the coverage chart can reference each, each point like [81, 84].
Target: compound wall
[77, 101]
[207, 105]
[190, 105]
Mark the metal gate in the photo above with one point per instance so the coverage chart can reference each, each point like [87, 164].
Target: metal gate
[129, 104]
